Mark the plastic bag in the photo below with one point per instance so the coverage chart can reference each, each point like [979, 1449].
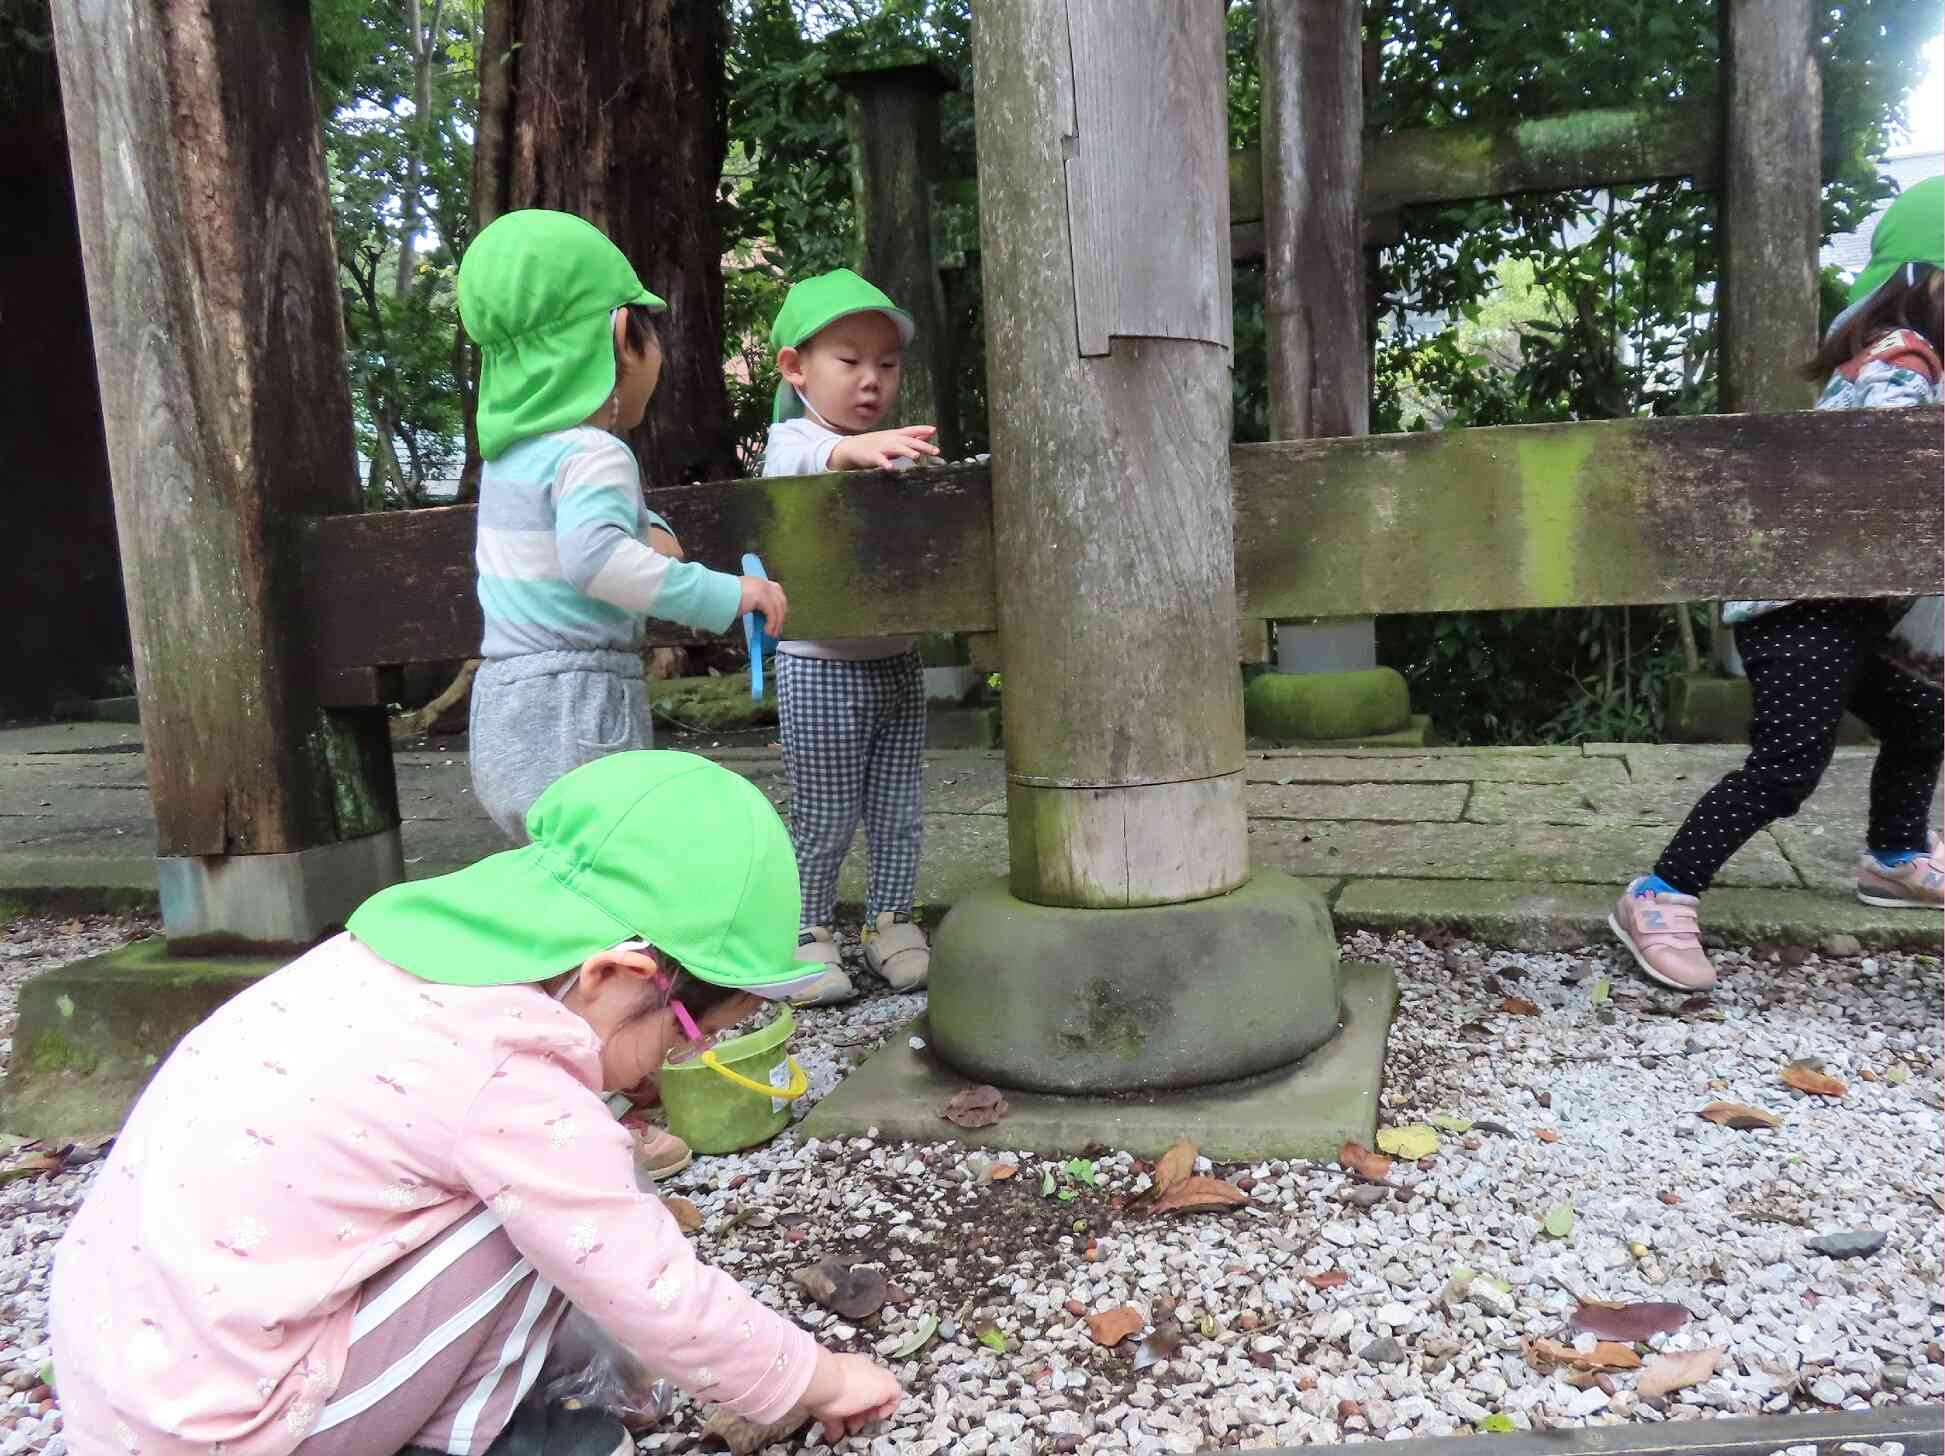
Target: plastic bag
[586, 1369]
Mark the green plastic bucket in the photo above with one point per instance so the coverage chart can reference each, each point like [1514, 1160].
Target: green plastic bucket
[738, 1094]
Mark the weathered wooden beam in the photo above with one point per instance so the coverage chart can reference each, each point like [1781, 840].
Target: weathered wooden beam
[1617, 511]
[205, 226]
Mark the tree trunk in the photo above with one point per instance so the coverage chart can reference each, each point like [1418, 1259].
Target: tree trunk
[616, 111]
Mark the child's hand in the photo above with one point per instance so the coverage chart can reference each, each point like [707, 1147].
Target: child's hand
[877, 450]
[848, 1393]
[765, 597]
[662, 542]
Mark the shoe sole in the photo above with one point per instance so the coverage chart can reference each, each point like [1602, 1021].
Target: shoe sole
[1649, 971]
[1886, 902]
[656, 1175]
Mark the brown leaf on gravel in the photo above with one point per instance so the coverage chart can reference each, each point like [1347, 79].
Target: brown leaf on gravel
[1111, 1327]
[34, 1165]
[1629, 1322]
[1174, 1165]
[1547, 1135]
[1519, 1006]
[1740, 1116]
[854, 1292]
[740, 1437]
[1329, 1279]
[1543, 1355]
[1000, 1172]
[1808, 1079]
[688, 1217]
[975, 1107]
[1200, 1195]
[1666, 1373]
[1370, 1166]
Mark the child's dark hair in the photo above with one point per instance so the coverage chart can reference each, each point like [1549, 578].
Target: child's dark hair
[698, 997]
[1905, 301]
[640, 327]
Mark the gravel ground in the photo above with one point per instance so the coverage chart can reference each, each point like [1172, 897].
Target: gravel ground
[1328, 1308]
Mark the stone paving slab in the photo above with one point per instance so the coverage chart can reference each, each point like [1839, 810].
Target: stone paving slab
[1397, 803]
[1565, 917]
[1307, 1110]
[1443, 766]
[1368, 825]
[1543, 853]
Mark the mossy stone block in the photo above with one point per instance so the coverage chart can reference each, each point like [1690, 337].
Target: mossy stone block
[1057, 999]
[91, 1034]
[1326, 705]
[715, 704]
[1706, 709]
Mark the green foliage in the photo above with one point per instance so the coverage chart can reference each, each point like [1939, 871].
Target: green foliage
[400, 173]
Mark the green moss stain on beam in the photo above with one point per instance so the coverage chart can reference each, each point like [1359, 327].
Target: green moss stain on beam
[1551, 475]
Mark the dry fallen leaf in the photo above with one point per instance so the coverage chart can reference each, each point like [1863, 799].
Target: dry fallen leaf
[743, 1438]
[1174, 1165]
[1667, 1373]
[1111, 1327]
[1544, 1354]
[1000, 1172]
[1370, 1166]
[1740, 1116]
[1329, 1279]
[852, 1291]
[1629, 1322]
[1200, 1195]
[1519, 1006]
[1807, 1079]
[975, 1107]
[1547, 1135]
[688, 1217]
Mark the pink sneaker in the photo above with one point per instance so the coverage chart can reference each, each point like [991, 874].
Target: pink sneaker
[1917, 884]
[1661, 932]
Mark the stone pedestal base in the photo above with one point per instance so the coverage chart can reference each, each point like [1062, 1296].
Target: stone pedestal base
[253, 902]
[1106, 1001]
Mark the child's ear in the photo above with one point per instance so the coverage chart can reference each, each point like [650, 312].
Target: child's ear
[790, 364]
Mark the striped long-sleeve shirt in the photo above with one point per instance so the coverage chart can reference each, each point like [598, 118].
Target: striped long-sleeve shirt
[563, 559]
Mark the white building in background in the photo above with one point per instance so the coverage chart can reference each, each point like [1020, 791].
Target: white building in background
[1850, 252]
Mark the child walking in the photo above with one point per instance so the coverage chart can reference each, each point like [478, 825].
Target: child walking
[1809, 661]
[356, 1207]
[852, 710]
[570, 559]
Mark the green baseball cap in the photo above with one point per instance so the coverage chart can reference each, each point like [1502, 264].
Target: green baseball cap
[657, 846]
[1912, 230]
[814, 305]
[537, 293]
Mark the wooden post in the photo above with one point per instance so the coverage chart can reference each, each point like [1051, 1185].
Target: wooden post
[1132, 915]
[1767, 208]
[1104, 212]
[1310, 57]
[206, 234]
[894, 123]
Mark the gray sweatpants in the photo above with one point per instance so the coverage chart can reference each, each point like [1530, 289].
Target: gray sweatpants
[544, 714]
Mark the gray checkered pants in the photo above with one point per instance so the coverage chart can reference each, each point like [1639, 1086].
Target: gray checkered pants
[854, 748]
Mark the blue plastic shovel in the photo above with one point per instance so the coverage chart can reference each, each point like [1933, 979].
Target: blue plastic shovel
[756, 634]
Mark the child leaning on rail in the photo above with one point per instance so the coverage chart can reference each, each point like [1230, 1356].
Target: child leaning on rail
[1810, 661]
[570, 559]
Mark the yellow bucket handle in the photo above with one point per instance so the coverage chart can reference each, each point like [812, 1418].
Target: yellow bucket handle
[799, 1083]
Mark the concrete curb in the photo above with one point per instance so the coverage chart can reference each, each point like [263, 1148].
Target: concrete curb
[1919, 1428]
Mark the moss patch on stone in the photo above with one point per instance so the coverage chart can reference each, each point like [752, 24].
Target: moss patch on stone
[1327, 705]
[715, 704]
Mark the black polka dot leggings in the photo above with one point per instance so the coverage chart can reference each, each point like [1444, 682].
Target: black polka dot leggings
[1807, 664]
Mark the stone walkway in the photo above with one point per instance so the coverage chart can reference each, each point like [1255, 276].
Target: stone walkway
[1516, 847]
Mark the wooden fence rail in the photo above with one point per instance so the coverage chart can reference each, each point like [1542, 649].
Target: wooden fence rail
[1634, 511]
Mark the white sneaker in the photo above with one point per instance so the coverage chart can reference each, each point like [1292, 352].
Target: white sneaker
[896, 949]
[817, 946]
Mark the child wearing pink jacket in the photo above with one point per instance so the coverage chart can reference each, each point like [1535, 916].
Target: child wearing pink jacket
[351, 1210]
